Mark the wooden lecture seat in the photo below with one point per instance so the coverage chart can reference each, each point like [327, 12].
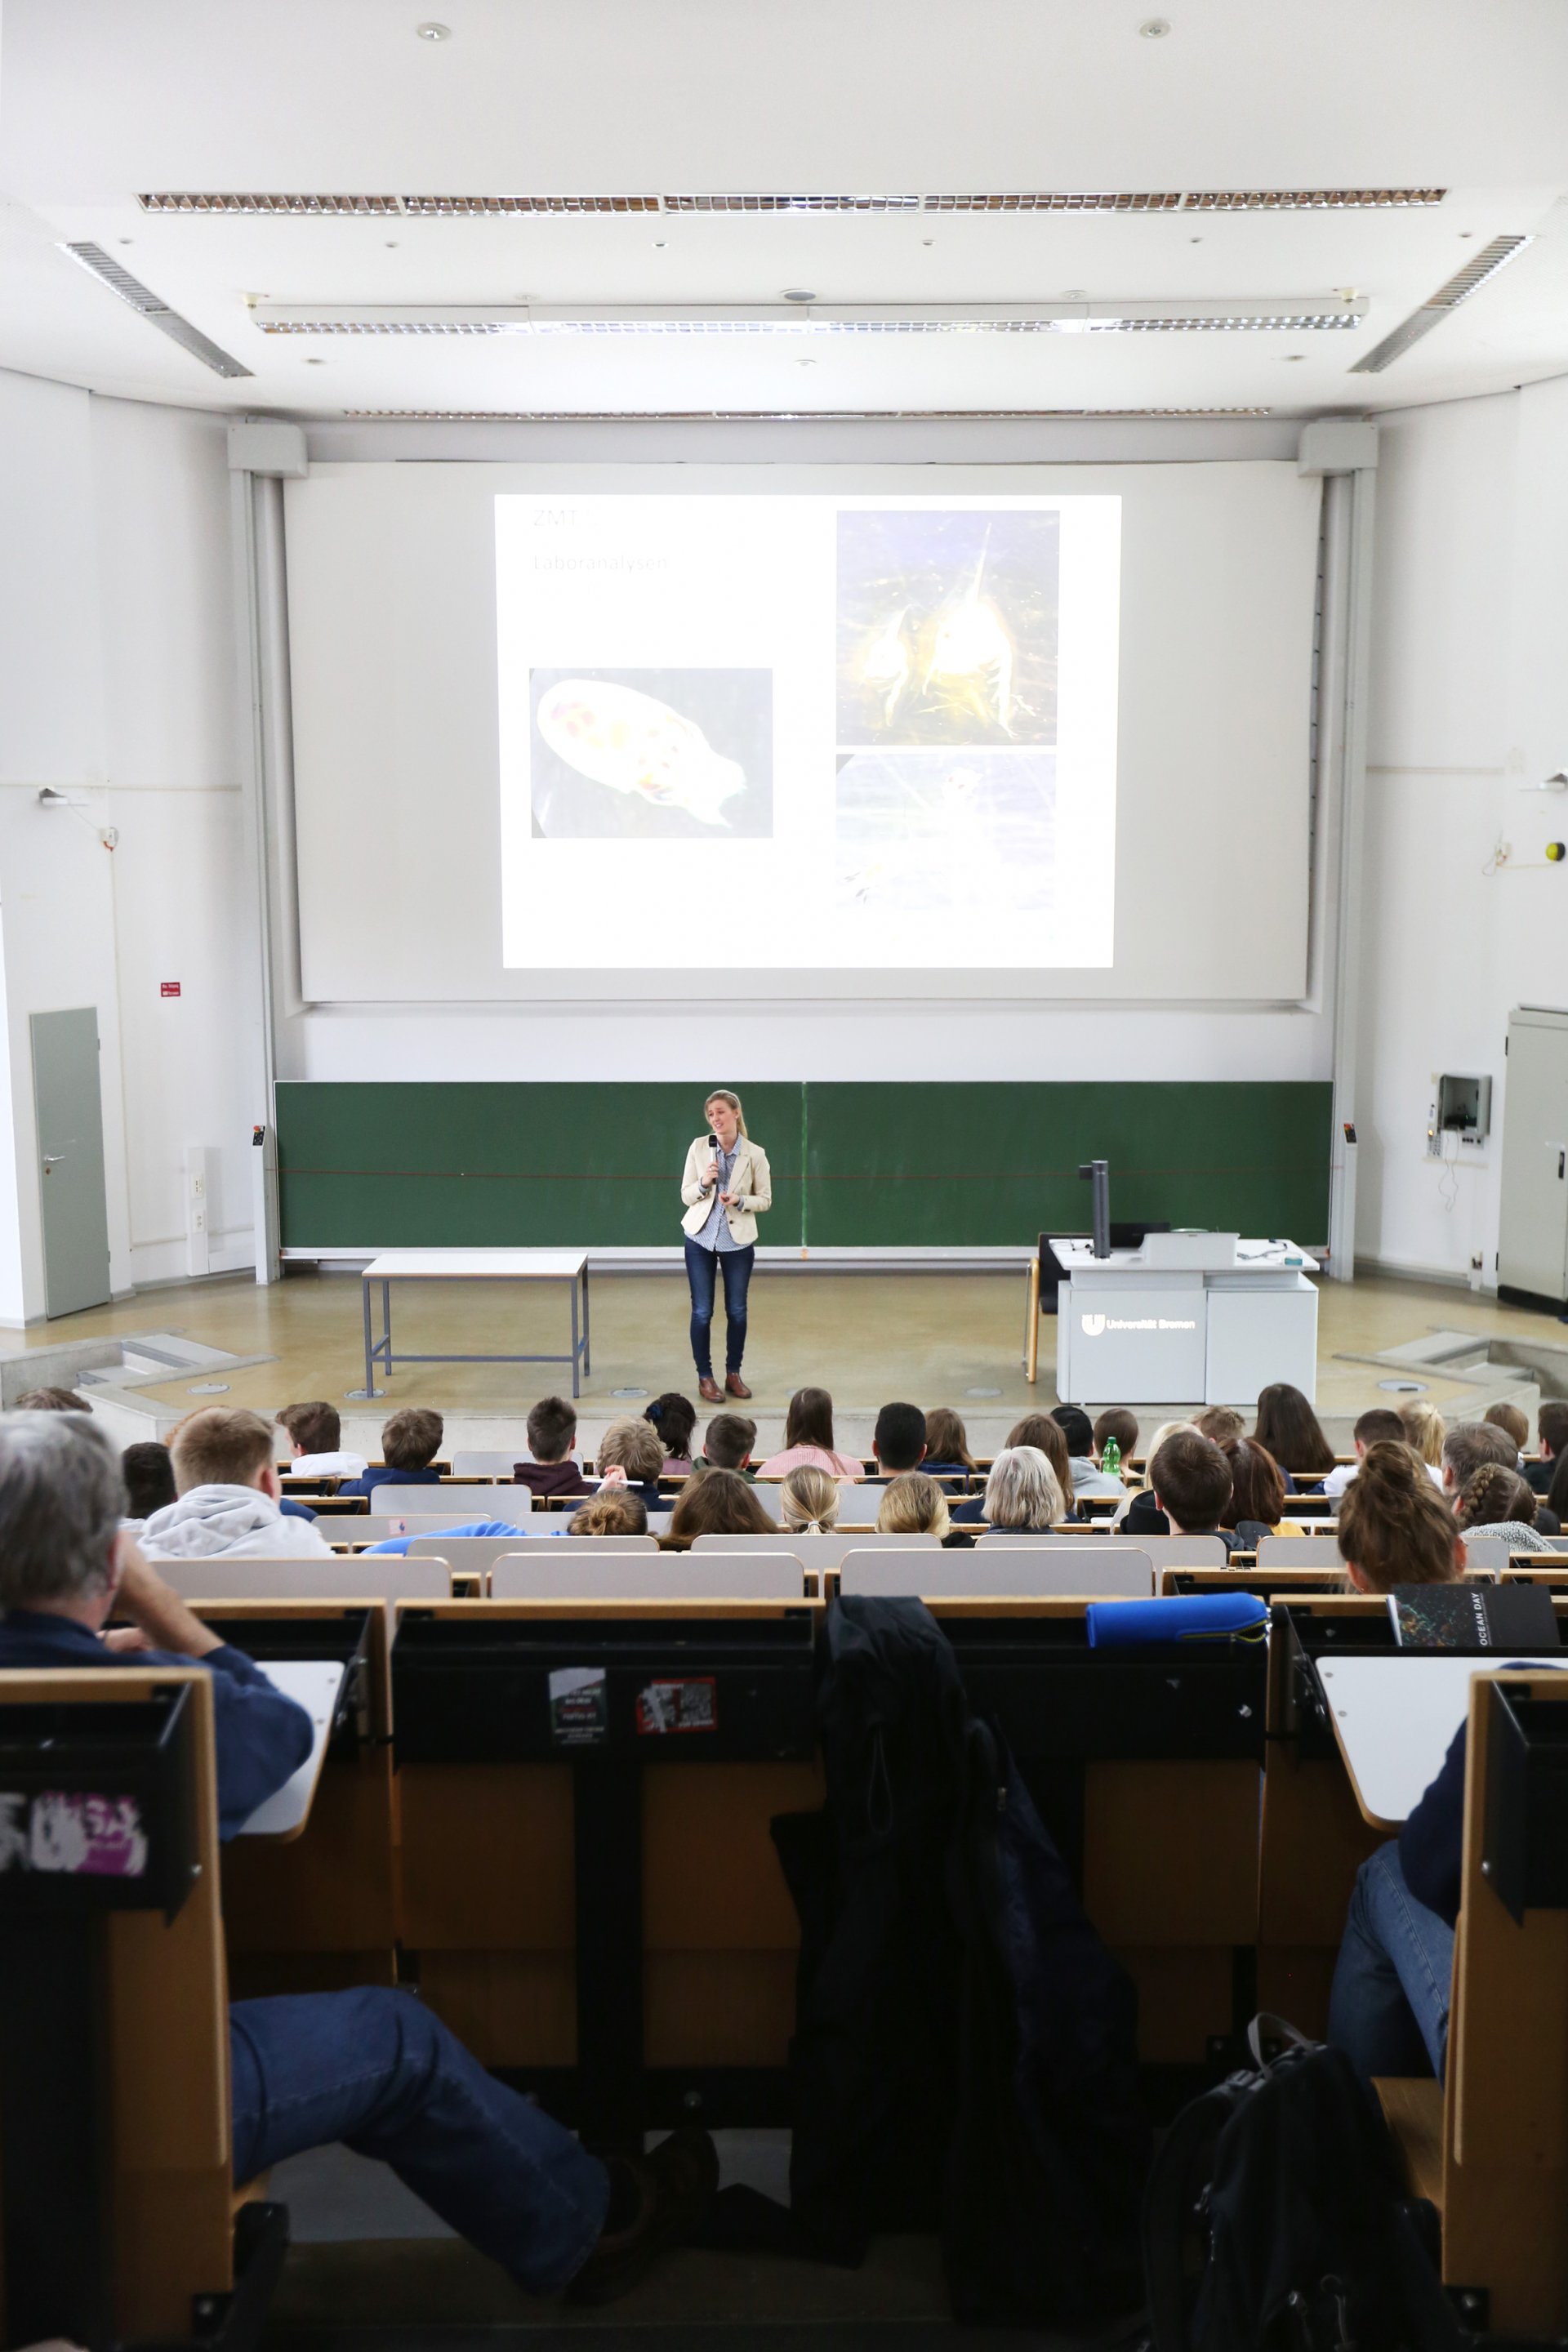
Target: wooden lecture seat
[119, 2217]
[1490, 2148]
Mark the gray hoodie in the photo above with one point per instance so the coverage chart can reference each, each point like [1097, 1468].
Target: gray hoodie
[229, 1523]
[1088, 1480]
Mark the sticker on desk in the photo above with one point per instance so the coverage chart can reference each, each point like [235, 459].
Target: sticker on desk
[75, 1834]
[579, 1706]
[690, 1704]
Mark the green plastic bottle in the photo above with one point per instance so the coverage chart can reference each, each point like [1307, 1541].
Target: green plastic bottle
[1111, 1458]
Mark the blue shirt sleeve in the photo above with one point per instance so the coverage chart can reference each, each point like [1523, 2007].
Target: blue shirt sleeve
[1431, 1845]
[261, 1736]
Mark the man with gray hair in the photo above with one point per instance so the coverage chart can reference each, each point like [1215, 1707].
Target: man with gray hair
[66, 1562]
[373, 2068]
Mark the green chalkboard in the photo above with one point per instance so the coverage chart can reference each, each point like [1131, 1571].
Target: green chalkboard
[955, 1163]
[398, 1165]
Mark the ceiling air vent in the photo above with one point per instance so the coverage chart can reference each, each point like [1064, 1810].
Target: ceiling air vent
[765, 415]
[1436, 307]
[447, 207]
[154, 309]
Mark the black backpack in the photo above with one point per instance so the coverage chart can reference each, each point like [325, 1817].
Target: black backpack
[1275, 2219]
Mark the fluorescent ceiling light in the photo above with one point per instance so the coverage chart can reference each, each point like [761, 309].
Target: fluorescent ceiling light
[328, 204]
[1306, 314]
[154, 309]
[1436, 307]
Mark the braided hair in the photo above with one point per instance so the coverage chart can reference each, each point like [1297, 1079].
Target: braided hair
[1492, 1494]
[1393, 1526]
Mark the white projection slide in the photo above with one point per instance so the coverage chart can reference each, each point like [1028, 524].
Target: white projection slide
[807, 731]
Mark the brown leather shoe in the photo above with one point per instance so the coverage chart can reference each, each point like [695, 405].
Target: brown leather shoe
[710, 1392]
[736, 1385]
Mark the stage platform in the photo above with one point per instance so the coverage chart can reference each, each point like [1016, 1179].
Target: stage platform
[932, 1338]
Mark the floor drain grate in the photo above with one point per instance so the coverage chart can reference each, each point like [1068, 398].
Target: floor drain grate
[982, 1392]
[629, 1392]
[208, 1388]
[1404, 1388]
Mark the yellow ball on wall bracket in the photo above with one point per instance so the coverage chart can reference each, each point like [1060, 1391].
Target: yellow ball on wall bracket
[1555, 852]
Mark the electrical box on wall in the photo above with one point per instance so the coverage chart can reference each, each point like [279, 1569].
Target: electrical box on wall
[1462, 1108]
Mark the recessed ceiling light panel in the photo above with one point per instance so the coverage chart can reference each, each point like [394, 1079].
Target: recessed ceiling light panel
[1454, 291]
[154, 309]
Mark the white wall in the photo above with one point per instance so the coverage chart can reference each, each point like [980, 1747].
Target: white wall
[1469, 703]
[116, 689]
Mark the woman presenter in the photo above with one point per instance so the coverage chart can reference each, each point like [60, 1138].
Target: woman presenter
[726, 1185]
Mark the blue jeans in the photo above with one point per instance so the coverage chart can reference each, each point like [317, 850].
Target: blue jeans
[1388, 2010]
[376, 2070]
[700, 1273]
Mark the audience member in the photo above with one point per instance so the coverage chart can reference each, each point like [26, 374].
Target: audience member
[631, 1455]
[613, 1511]
[1037, 1430]
[1140, 1515]
[410, 1442]
[899, 1440]
[675, 1417]
[1220, 1421]
[1552, 1427]
[1515, 1423]
[1083, 1467]
[1393, 1527]
[1189, 1480]
[1496, 1501]
[1468, 1446]
[552, 1434]
[808, 1500]
[727, 1445]
[148, 1476]
[1116, 1422]
[51, 1401]
[1022, 1494]
[720, 1503]
[913, 1504]
[315, 1435]
[1389, 2007]
[1287, 1427]
[226, 1506]
[371, 2067]
[1379, 1424]
[947, 1444]
[1257, 1493]
[808, 1439]
[1425, 1429]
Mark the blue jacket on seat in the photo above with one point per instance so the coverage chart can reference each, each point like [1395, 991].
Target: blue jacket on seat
[430, 1477]
[260, 1737]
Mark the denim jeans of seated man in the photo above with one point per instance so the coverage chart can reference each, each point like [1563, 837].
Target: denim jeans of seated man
[1388, 2010]
[702, 1267]
[376, 2070]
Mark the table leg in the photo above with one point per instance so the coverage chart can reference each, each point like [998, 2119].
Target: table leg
[369, 1359]
[576, 1360]
[386, 1325]
[588, 1364]
[1031, 1331]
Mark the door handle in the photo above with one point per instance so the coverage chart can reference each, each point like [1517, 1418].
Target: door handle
[53, 1158]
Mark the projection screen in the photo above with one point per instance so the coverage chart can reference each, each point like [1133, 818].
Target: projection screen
[598, 731]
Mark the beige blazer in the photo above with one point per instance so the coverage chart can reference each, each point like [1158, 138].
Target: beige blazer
[752, 1178]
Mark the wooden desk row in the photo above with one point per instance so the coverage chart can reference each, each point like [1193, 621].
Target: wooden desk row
[556, 1818]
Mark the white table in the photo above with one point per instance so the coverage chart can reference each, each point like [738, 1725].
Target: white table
[1130, 1329]
[570, 1266]
[1395, 1719]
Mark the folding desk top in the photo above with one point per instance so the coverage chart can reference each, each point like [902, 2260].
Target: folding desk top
[476, 1265]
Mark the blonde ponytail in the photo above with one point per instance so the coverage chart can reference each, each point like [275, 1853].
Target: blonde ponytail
[808, 1501]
